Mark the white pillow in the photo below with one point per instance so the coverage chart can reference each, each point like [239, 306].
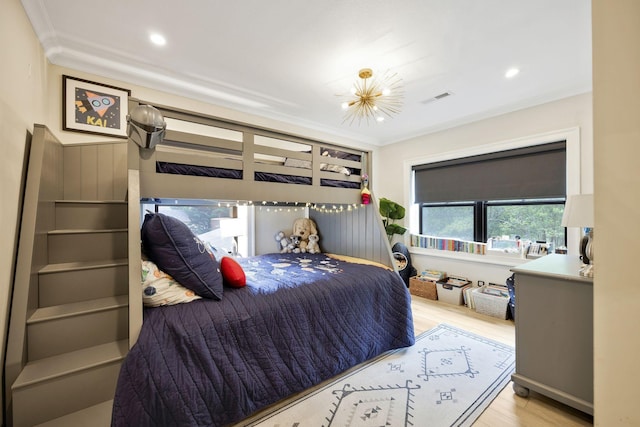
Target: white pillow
[158, 288]
[335, 168]
[297, 163]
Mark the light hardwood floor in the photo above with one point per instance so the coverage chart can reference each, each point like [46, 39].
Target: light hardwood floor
[507, 409]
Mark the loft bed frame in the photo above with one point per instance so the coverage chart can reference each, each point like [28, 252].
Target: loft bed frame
[299, 315]
[250, 152]
[236, 162]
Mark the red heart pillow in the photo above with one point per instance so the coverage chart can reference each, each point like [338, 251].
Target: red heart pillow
[232, 273]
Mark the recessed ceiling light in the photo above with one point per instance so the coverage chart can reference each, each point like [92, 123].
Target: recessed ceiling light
[158, 39]
[511, 72]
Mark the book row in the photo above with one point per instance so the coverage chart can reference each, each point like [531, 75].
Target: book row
[428, 242]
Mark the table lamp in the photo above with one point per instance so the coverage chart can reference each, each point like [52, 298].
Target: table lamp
[233, 227]
[578, 212]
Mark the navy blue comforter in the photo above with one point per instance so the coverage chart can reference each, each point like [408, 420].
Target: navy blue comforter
[301, 319]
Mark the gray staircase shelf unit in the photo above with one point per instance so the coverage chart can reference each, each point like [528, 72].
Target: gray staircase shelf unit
[69, 317]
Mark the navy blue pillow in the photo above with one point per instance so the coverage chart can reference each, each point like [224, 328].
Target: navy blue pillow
[170, 244]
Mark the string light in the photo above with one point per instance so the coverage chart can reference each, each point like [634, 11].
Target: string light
[277, 207]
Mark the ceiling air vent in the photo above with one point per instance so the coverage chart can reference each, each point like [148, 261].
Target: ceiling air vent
[437, 97]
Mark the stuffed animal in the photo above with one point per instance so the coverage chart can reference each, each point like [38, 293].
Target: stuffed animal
[313, 247]
[365, 194]
[333, 168]
[285, 243]
[294, 246]
[304, 227]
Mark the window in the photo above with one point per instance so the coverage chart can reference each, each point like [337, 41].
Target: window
[504, 196]
[221, 224]
[454, 221]
[530, 220]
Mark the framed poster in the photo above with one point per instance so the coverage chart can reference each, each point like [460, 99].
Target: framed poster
[94, 108]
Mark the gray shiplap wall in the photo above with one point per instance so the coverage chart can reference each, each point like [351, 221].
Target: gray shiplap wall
[357, 232]
[96, 171]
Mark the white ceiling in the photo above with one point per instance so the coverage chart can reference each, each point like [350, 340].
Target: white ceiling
[290, 59]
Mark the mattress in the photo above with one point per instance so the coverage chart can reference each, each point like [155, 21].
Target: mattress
[301, 319]
[214, 172]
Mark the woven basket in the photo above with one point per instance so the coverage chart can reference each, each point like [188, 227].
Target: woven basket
[491, 305]
[423, 288]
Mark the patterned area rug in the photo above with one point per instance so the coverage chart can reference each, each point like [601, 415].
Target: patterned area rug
[446, 379]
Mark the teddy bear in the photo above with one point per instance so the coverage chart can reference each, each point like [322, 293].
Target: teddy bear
[303, 228]
[283, 240]
[313, 247]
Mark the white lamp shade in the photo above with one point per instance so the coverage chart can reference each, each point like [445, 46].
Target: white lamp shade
[233, 227]
[578, 211]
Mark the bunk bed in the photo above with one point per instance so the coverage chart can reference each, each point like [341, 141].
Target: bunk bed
[301, 318]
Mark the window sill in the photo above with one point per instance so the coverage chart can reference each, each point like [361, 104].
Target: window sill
[505, 261]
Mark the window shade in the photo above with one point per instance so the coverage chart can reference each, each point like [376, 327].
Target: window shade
[524, 173]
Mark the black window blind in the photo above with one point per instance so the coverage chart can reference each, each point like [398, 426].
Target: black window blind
[524, 173]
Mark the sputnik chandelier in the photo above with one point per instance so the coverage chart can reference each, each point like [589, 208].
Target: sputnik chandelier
[373, 98]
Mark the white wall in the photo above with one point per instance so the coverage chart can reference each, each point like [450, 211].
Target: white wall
[391, 177]
[616, 96]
